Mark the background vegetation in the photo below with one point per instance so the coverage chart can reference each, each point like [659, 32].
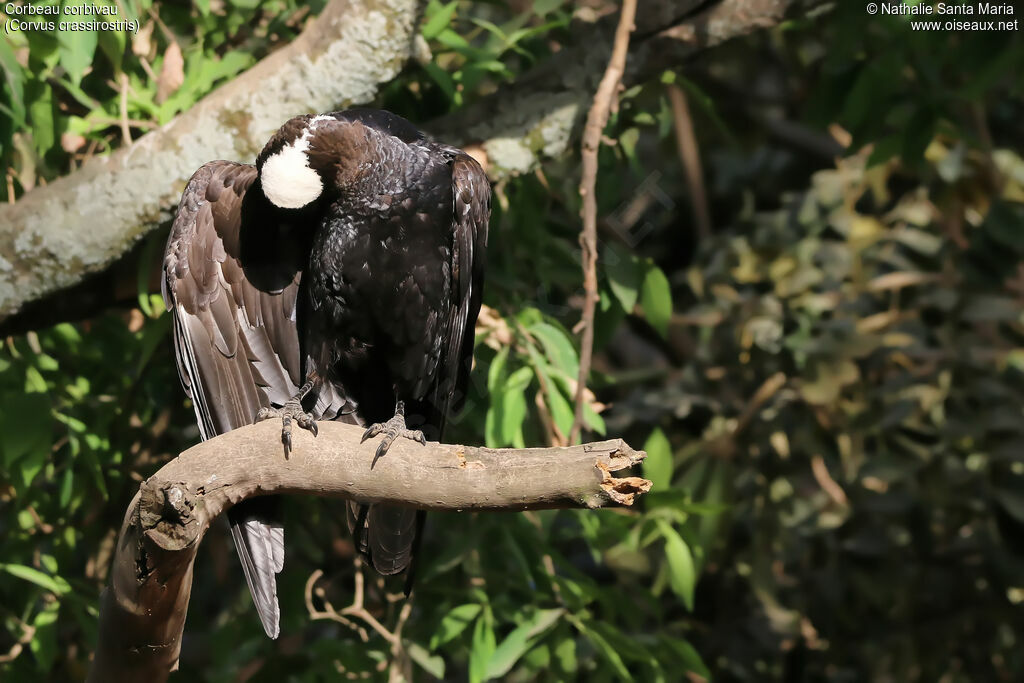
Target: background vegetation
[829, 385]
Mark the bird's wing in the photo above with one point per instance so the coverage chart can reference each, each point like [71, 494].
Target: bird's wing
[233, 289]
[472, 210]
[390, 535]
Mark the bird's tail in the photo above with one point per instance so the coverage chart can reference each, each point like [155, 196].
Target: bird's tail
[387, 535]
[259, 539]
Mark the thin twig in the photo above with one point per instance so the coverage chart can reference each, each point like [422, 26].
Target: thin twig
[126, 133]
[400, 665]
[605, 98]
[825, 480]
[356, 609]
[689, 155]
[28, 632]
[328, 612]
[768, 388]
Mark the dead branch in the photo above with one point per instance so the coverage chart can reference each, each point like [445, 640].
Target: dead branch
[605, 99]
[142, 613]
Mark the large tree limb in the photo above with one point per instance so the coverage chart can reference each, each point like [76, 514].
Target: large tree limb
[539, 116]
[142, 614]
[58, 234]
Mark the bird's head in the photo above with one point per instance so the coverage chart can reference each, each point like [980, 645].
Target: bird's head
[292, 174]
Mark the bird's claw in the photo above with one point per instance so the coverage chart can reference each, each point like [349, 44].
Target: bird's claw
[392, 429]
[292, 410]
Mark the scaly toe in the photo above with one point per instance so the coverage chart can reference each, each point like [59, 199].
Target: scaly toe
[382, 449]
[372, 431]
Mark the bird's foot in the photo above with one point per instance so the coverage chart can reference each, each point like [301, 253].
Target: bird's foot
[392, 429]
[292, 410]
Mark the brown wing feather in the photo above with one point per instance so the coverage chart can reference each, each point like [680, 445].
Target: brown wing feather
[236, 344]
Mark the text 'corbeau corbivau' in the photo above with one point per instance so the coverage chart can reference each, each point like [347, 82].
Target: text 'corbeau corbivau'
[337, 279]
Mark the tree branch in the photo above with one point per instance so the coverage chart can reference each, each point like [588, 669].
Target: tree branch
[605, 99]
[57, 234]
[538, 117]
[142, 613]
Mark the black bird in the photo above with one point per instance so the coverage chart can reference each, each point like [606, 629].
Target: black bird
[337, 279]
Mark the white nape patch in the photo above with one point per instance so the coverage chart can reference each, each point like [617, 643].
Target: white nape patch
[288, 181]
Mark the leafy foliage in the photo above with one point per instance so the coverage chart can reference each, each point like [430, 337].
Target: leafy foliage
[828, 387]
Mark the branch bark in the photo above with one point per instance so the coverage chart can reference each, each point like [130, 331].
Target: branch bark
[142, 613]
[57, 234]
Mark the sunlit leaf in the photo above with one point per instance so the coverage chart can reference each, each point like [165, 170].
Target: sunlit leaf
[522, 638]
[454, 623]
[484, 645]
[656, 299]
[682, 573]
[76, 50]
[438, 18]
[54, 584]
[658, 464]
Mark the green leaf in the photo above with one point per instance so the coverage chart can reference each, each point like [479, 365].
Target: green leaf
[625, 274]
[593, 420]
[452, 40]
[34, 382]
[443, 79]
[14, 77]
[688, 656]
[656, 298]
[560, 407]
[542, 7]
[54, 584]
[432, 664]
[66, 487]
[682, 573]
[497, 372]
[484, 645]
[565, 653]
[44, 640]
[113, 43]
[658, 465]
[522, 639]
[76, 49]
[454, 623]
[606, 650]
[513, 413]
[26, 425]
[508, 403]
[41, 114]
[438, 18]
[557, 347]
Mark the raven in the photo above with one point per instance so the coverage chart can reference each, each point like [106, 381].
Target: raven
[338, 278]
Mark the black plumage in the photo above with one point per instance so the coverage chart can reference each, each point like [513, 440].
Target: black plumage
[339, 278]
